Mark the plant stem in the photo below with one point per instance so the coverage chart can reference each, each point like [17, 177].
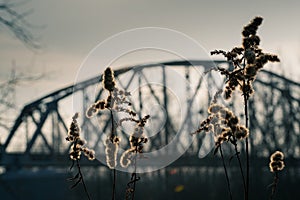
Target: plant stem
[130, 190]
[112, 136]
[241, 168]
[247, 149]
[245, 95]
[114, 185]
[226, 174]
[274, 186]
[134, 174]
[82, 180]
[134, 177]
[247, 141]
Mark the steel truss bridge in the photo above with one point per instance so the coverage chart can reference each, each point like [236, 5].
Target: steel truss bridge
[176, 95]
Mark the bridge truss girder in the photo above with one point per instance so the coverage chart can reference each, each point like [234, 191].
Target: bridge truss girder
[41, 127]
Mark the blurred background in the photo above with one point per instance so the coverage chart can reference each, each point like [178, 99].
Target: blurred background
[43, 46]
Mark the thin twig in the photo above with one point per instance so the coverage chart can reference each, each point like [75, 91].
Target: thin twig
[247, 149]
[237, 153]
[247, 140]
[82, 180]
[114, 170]
[274, 186]
[133, 189]
[130, 190]
[226, 173]
[114, 185]
[134, 173]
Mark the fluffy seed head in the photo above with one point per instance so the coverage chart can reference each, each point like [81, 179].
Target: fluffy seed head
[277, 156]
[111, 150]
[109, 80]
[276, 161]
[125, 159]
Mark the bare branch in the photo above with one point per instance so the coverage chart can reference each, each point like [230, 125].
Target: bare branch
[7, 95]
[16, 22]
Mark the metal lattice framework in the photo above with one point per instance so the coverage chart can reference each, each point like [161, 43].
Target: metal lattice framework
[166, 90]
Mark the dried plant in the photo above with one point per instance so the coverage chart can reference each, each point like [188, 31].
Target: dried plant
[118, 101]
[77, 147]
[226, 128]
[276, 165]
[112, 141]
[137, 140]
[246, 61]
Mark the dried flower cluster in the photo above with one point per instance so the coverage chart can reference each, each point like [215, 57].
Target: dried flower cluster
[226, 128]
[137, 139]
[224, 124]
[116, 100]
[247, 61]
[276, 164]
[276, 161]
[77, 142]
[109, 79]
[111, 151]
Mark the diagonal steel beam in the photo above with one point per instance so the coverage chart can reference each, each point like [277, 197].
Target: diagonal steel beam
[39, 126]
[42, 135]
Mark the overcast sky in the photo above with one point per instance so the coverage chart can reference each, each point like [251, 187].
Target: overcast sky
[71, 29]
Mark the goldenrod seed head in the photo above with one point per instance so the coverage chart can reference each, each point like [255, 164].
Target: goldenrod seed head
[81, 142]
[251, 70]
[276, 161]
[220, 139]
[234, 120]
[228, 93]
[125, 159]
[76, 115]
[90, 112]
[111, 150]
[277, 156]
[214, 108]
[75, 155]
[100, 105]
[276, 166]
[91, 155]
[249, 56]
[109, 80]
[257, 21]
[241, 132]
